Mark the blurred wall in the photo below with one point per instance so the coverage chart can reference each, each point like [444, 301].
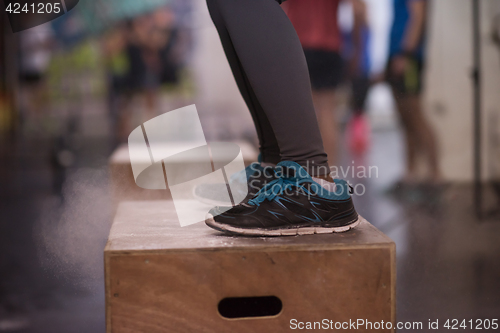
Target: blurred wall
[448, 89]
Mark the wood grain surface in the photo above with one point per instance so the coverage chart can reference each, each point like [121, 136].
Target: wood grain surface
[164, 278]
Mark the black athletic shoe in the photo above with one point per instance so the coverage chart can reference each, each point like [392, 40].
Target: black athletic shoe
[254, 177]
[292, 204]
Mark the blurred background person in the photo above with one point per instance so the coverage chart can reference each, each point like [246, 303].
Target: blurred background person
[140, 60]
[356, 52]
[316, 24]
[317, 27]
[35, 55]
[404, 74]
[117, 64]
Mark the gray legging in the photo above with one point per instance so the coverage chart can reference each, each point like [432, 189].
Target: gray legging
[270, 69]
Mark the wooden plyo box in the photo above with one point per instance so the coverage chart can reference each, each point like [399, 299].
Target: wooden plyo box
[123, 186]
[164, 278]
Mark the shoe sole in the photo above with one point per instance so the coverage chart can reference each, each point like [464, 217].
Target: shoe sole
[280, 232]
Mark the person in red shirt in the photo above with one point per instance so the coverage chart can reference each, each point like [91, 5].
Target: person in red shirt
[316, 24]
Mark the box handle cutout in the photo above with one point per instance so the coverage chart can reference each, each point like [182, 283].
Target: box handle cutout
[247, 307]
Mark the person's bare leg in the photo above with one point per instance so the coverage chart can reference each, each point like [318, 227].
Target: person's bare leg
[411, 140]
[324, 104]
[420, 138]
[425, 136]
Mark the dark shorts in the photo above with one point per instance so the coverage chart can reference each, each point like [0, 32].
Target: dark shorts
[410, 82]
[325, 68]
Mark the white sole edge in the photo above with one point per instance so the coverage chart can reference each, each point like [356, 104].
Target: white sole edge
[283, 232]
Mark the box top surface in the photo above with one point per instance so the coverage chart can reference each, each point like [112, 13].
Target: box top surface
[121, 153]
[152, 226]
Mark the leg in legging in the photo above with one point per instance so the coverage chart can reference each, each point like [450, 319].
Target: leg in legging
[268, 144]
[271, 57]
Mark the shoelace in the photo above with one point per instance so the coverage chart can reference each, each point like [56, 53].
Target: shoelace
[276, 187]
